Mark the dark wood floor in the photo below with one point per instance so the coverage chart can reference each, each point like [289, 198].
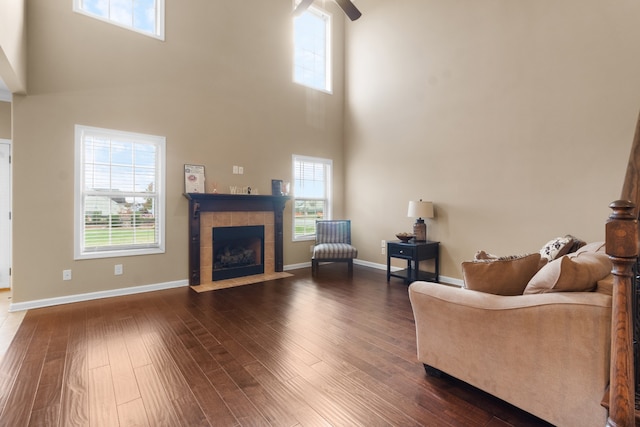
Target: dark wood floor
[299, 351]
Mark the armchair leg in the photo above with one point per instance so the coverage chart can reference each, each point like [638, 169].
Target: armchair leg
[314, 267]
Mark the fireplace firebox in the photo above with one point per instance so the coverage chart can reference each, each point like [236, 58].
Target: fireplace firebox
[237, 251]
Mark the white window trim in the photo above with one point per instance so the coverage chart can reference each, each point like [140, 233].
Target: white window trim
[79, 254]
[158, 34]
[328, 192]
[328, 49]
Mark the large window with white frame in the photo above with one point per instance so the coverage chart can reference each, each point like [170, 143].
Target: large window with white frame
[119, 193]
[312, 49]
[311, 194]
[143, 16]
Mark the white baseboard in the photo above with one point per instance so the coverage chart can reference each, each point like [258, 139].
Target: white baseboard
[297, 266]
[48, 302]
[442, 279]
[374, 265]
[451, 281]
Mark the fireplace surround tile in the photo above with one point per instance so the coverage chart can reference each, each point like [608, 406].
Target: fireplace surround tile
[223, 210]
[209, 220]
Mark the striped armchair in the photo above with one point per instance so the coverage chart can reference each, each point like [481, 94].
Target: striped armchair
[333, 243]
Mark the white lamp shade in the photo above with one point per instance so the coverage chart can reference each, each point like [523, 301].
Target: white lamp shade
[420, 209]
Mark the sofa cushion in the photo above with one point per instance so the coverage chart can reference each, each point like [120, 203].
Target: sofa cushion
[501, 276]
[605, 286]
[577, 272]
[334, 251]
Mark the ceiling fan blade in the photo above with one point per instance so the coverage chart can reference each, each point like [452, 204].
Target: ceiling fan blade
[302, 6]
[349, 9]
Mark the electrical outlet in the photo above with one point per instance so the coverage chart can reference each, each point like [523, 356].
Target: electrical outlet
[383, 243]
[240, 170]
[383, 251]
[235, 170]
[117, 269]
[66, 274]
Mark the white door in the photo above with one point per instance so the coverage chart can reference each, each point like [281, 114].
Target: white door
[5, 212]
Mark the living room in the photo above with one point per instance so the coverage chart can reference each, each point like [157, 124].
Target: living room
[515, 119]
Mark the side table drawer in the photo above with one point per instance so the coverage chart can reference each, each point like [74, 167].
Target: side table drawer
[398, 251]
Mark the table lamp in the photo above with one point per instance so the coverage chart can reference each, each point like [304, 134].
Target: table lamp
[420, 210]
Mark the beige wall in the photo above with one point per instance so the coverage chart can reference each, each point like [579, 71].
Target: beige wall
[515, 118]
[13, 56]
[219, 88]
[5, 120]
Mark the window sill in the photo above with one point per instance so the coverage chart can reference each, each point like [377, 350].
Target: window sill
[119, 253]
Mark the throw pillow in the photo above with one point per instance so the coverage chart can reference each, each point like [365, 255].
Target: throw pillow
[502, 276]
[576, 244]
[592, 247]
[557, 247]
[577, 272]
[483, 255]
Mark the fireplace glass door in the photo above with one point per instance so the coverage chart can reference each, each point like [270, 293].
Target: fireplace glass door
[237, 251]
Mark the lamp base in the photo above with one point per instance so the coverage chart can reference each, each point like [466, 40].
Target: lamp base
[420, 230]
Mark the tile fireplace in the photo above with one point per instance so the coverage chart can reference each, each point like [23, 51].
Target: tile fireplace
[208, 212]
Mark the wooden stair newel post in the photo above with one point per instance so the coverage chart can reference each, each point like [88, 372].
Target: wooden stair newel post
[622, 248]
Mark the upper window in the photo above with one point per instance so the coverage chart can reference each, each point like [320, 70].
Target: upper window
[119, 193]
[312, 49]
[311, 195]
[143, 16]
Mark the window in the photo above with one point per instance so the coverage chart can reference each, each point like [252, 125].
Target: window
[119, 193]
[312, 49]
[143, 16]
[311, 195]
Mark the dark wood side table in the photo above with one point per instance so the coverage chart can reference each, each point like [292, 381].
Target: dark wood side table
[413, 252]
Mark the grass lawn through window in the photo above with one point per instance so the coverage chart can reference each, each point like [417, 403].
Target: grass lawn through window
[96, 237]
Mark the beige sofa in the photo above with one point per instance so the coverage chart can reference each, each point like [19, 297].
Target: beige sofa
[546, 353]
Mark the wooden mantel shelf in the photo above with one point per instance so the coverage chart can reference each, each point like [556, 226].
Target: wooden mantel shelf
[218, 202]
[199, 202]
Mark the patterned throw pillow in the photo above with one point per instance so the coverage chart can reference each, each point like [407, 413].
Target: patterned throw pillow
[557, 247]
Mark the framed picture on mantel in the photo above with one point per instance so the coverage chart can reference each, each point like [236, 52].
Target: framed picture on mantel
[276, 187]
[193, 179]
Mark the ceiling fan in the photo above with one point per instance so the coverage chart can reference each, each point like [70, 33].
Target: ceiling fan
[346, 5]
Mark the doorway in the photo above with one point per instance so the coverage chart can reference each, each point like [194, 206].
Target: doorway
[5, 214]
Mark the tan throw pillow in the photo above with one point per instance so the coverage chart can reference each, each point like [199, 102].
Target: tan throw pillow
[503, 276]
[577, 272]
[592, 247]
[557, 247]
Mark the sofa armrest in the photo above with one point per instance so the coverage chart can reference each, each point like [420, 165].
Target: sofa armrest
[545, 353]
